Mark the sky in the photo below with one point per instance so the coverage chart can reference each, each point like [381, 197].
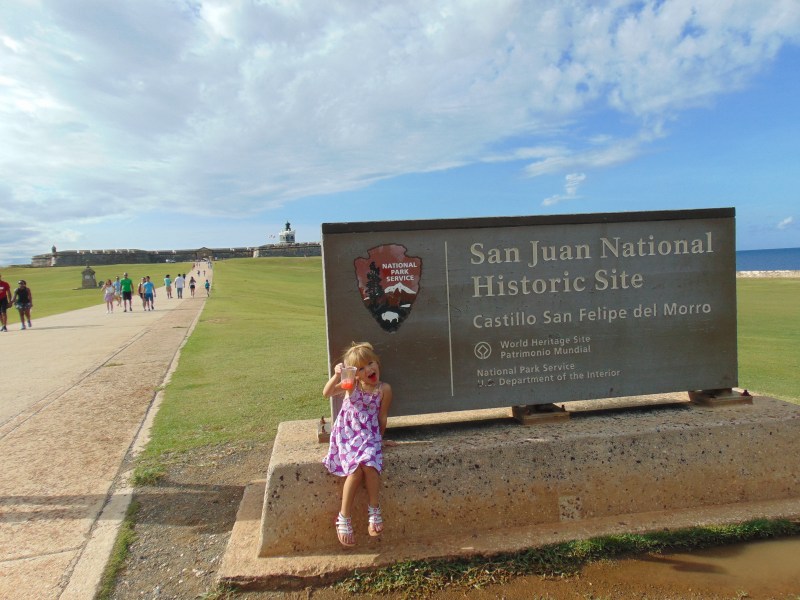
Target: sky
[175, 124]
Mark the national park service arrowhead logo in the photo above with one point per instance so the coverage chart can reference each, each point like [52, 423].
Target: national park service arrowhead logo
[388, 280]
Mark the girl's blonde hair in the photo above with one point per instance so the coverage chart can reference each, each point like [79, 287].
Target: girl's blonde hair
[360, 354]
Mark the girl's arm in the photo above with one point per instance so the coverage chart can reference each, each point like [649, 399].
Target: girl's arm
[332, 387]
[386, 403]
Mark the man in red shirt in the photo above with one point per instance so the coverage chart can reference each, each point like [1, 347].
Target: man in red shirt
[5, 298]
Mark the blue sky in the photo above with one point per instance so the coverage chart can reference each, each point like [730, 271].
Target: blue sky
[159, 124]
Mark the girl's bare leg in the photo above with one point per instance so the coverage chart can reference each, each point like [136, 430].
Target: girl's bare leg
[351, 485]
[372, 481]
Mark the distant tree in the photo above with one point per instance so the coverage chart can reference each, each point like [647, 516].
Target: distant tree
[374, 288]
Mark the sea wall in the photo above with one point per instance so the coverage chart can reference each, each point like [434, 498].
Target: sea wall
[767, 274]
[74, 258]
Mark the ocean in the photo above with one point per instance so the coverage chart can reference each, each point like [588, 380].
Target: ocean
[777, 259]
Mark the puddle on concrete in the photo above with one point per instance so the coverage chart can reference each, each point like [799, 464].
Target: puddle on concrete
[769, 569]
[757, 570]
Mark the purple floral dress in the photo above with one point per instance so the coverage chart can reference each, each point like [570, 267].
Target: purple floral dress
[356, 434]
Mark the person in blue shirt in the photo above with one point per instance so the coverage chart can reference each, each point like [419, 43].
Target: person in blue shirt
[149, 294]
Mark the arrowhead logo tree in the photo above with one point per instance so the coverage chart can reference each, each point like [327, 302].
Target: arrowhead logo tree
[388, 280]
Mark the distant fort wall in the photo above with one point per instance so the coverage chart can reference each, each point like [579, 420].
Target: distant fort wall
[77, 258]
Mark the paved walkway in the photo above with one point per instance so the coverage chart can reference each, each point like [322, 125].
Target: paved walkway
[76, 390]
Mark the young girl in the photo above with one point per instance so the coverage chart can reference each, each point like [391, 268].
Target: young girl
[108, 295]
[357, 436]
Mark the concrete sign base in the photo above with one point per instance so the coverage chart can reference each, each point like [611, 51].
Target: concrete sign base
[720, 397]
[490, 485]
[539, 413]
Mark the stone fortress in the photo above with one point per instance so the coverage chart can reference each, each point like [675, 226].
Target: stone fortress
[287, 246]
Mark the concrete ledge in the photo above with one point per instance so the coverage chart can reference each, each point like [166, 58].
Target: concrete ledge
[242, 567]
[489, 486]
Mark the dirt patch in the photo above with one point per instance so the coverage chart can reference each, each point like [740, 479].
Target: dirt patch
[183, 525]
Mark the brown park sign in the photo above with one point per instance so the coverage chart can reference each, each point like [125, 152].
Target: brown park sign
[506, 311]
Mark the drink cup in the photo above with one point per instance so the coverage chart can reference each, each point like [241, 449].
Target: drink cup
[348, 378]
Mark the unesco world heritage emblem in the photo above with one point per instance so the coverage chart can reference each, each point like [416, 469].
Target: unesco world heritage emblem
[388, 280]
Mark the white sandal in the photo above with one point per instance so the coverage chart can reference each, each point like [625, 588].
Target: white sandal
[344, 531]
[375, 521]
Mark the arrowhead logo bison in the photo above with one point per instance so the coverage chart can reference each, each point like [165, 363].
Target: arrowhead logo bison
[388, 280]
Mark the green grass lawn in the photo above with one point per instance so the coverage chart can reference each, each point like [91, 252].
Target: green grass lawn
[57, 289]
[769, 336]
[256, 358]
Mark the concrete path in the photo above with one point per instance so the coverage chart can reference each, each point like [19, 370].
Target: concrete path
[76, 390]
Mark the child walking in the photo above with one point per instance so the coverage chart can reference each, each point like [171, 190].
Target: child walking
[108, 295]
[356, 451]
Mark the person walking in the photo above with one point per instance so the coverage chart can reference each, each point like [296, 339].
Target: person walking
[23, 301]
[117, 293]
[5, 298]
[126, 287]
[108, 296]
[168, 285]
[140, 291]
[207, 285]
[180, 282]
[149, 294]
[192, 284]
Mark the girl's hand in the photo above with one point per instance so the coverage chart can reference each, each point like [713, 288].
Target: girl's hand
[333, 387]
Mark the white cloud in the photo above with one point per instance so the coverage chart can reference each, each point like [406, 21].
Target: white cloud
[222, 107]
[785, 222]
[571, 184]
[573, 180]
[615, 153]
